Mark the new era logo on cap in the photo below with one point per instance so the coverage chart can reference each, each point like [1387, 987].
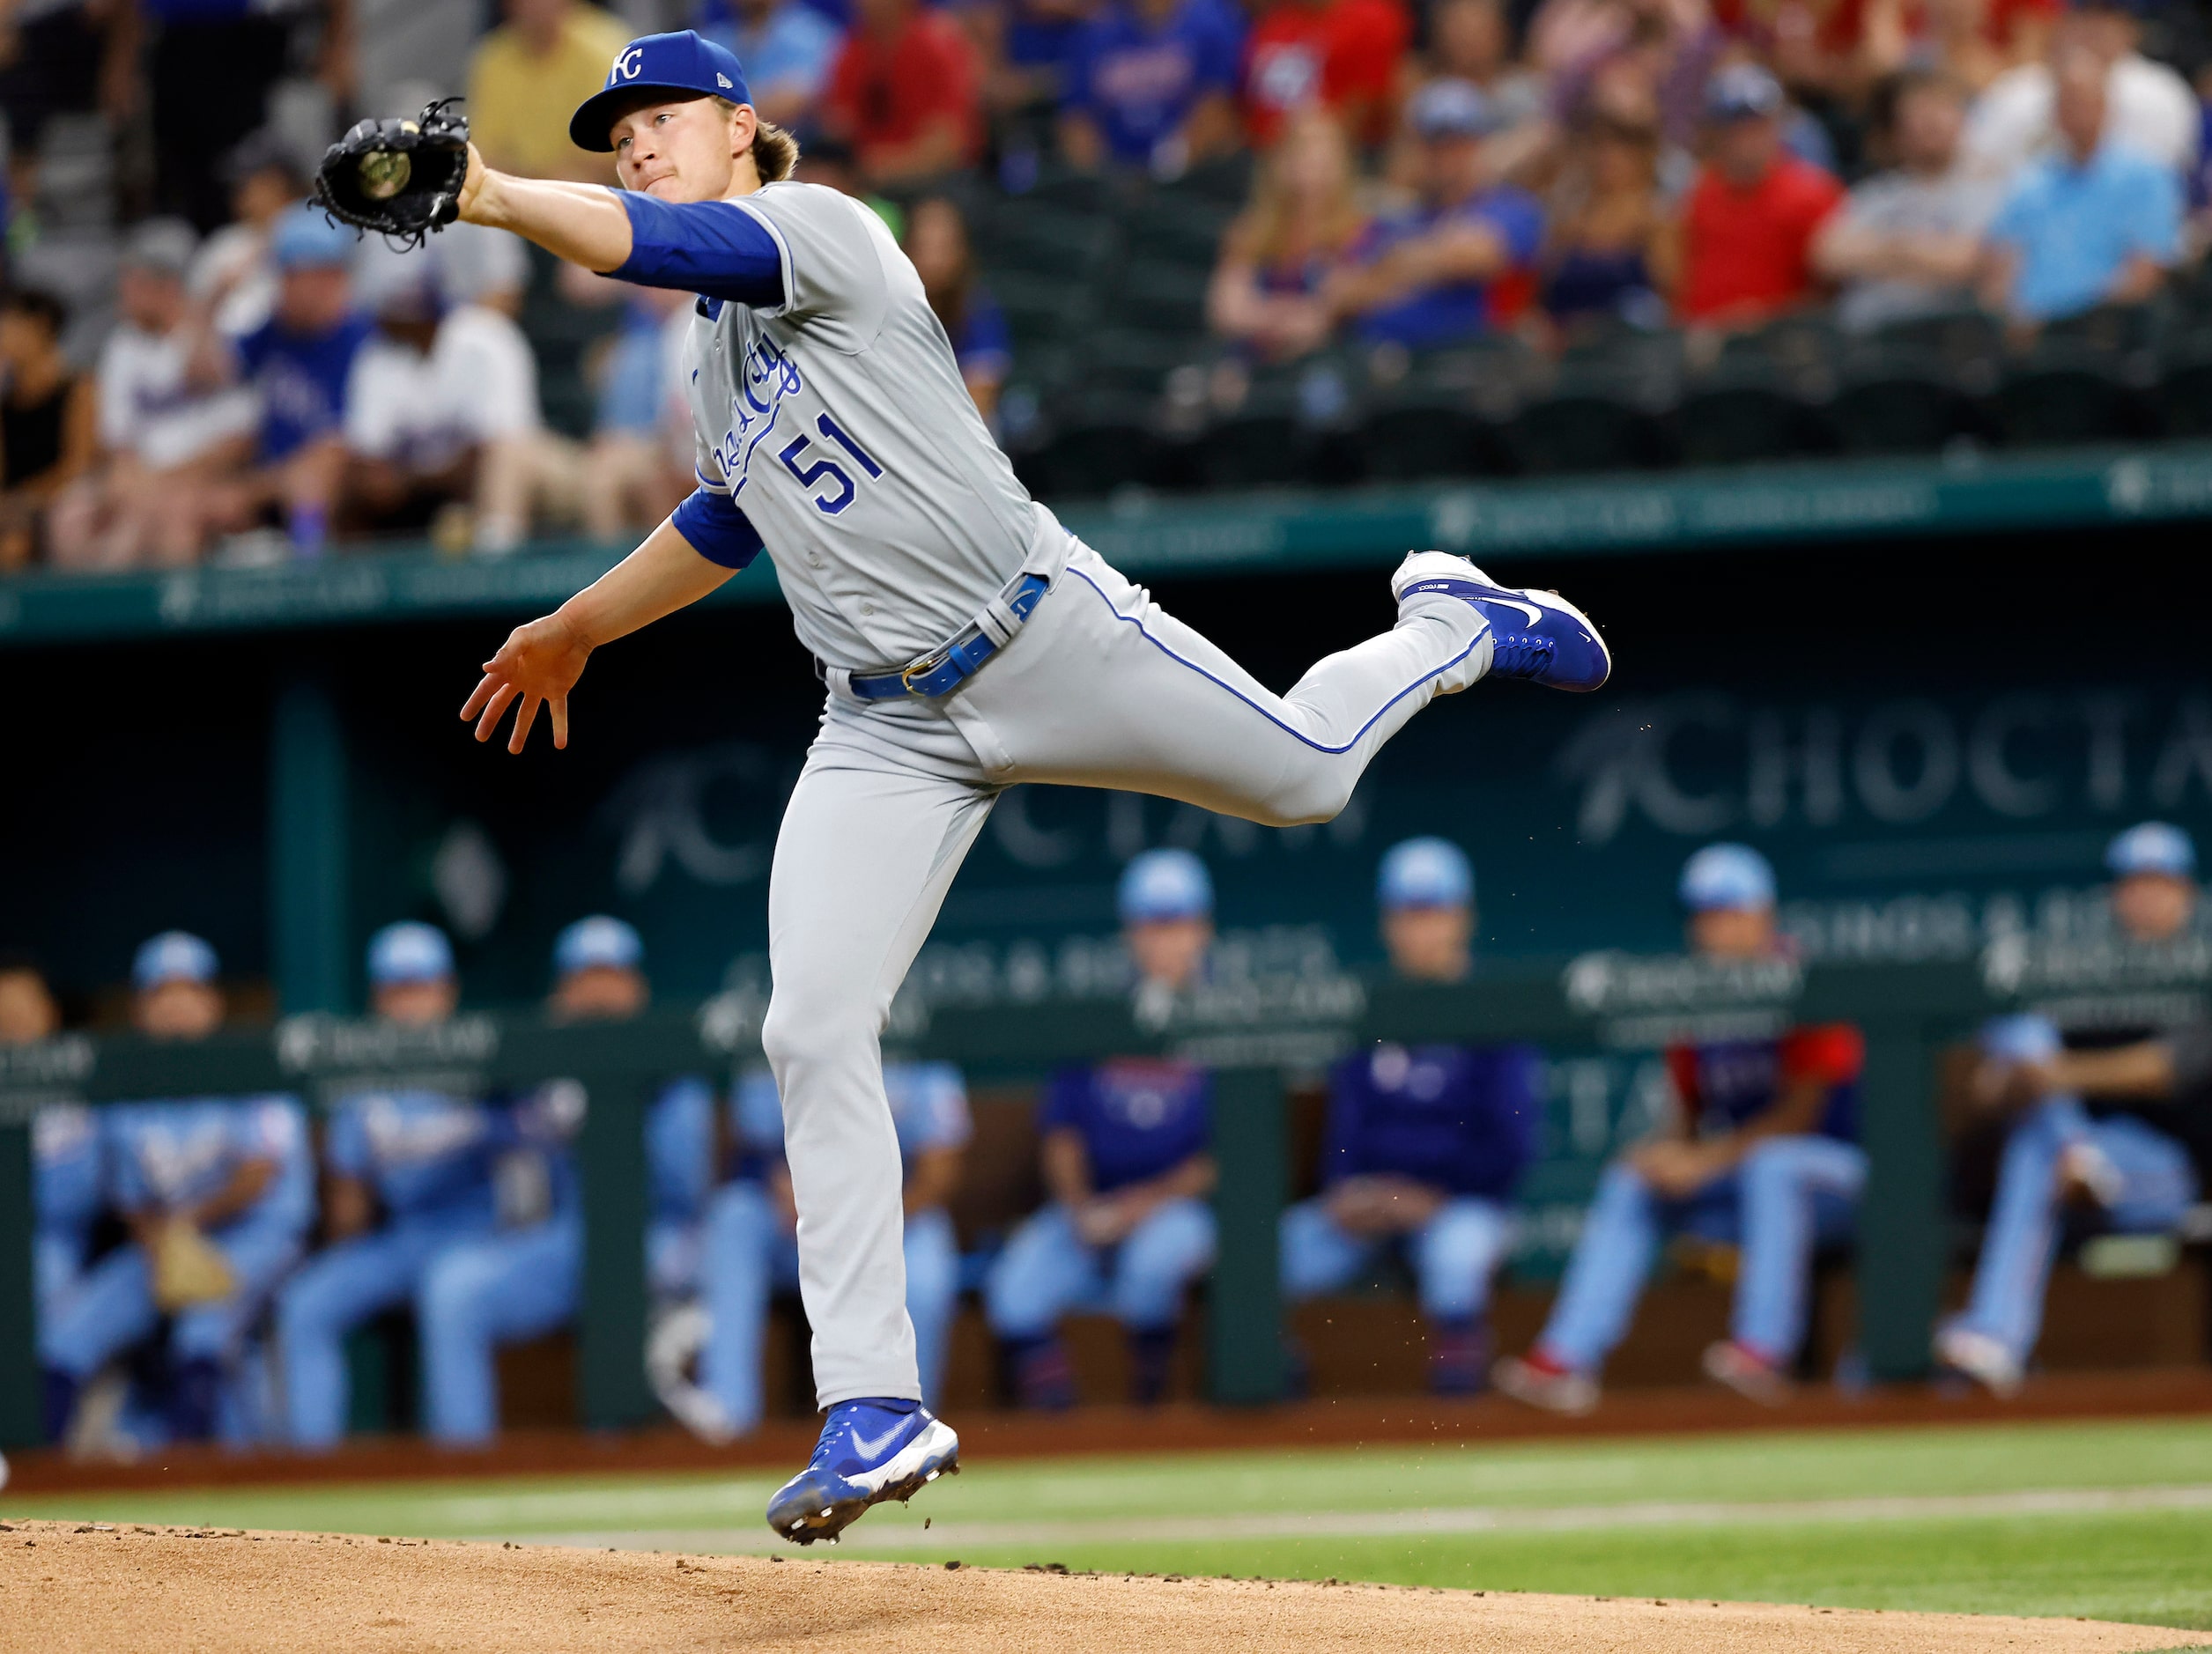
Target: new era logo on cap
[721, 80]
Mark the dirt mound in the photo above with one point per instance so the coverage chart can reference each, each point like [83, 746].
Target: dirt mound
[124, 1588]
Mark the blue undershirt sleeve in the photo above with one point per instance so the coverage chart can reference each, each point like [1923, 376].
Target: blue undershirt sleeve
[713, 247]
[712, 525]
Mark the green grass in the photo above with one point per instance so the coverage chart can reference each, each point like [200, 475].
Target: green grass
[1342, 1512]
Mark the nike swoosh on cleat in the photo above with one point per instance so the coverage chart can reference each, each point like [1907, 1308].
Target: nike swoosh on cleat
[1534, 614]
[867, 1449]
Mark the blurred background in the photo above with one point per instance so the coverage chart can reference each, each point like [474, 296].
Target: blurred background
[1850, 364]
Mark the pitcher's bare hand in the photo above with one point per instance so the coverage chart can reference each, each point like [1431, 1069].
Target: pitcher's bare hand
[538, 663]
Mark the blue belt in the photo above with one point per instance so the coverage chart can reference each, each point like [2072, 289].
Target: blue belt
[947, 666]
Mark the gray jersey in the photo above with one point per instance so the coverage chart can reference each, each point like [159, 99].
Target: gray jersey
[838, 424]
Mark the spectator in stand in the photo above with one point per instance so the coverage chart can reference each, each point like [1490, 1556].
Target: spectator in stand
[298, 365]
[1342, 55]
[1639, 59]
[1745, 242]
[1423, 1145]
[232, 1181]
[1608, 229]
[2065, 1167]
[1152, 85]
[904, 93]
[751, 1233]
[1127, 1168]
[1908, 241]
[526, 77]
[1970, 42]
[639, 466]
[1758, 1150]
[441, 412]
[1022, 47]
[408, 1175]
[1459, 263]
[48, 421]
[233, 275]
[938, 241]
[160, 432]
[57, 59]
[209, 69]
[2152, 108]
[1276, 257]
[788, 47]
[2097, 222]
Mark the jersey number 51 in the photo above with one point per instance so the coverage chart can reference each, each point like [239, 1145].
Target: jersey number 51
[837, 489]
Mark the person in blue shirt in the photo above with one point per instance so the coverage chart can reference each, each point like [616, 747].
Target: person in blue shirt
[520, 1282]
[1127, 1168]
[68, 1193]
[1432, 274]
[2093, 222]
[1150, 86]
[410, 1173]
[238, 1172]
[752, 1251]
[787, 47]
[1423, 1145]
[298, 364]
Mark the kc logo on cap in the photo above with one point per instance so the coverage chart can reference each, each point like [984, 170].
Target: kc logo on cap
[626, 65]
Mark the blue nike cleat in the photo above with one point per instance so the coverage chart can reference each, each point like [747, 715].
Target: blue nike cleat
[871, 1450]
[1536, 636]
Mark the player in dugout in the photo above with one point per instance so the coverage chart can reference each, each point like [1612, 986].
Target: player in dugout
[1758, 1150]
[1126, 1163]
[409, 1175]
[217, 1194]
[2111, 1126]
[1423, 1145]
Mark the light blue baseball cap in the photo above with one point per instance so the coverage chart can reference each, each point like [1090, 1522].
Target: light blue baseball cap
[408, 951]
[1164, 885]
[174, 956]
[2022, 1038]
[1427, 872]
[1727, 878]
[305, 239]
[601, 942]
[2152, 847]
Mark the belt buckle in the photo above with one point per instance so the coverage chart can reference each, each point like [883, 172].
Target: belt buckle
[927, 663]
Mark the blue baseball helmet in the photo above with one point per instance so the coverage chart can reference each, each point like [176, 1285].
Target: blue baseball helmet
[174, 956]
[2152, 847]
[1727, 878]
[600, 940]
[408, 951]
[682, 61]
[1164, 885]
[1427, 872]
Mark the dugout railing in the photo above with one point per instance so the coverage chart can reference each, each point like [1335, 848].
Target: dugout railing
[1259, 1043]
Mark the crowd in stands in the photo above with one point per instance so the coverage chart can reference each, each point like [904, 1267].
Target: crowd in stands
[201, 1265]
[1390, 177]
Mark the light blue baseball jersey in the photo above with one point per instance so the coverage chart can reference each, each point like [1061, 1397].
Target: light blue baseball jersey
[836, 420]
[928, 1109]
[69, 1166]
[679, 1150]
[420, 1150]
[171, 1155]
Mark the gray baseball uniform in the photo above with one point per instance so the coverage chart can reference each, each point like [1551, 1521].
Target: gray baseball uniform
[837, 422]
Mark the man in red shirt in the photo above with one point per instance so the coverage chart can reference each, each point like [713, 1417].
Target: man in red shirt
[1747, 228]
[1341, 53]
[903, 92]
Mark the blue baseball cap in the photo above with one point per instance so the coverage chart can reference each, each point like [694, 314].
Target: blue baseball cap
[1425, 873]
[596, 942]
[2020, 1038]
[681, 62]
[408, 951]
[305, 239]
[2152, 847]
[1727, 878]
[1164, 885]
[174, 956]
[1740, 92]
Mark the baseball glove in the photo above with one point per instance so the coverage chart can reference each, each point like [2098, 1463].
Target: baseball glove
[186, 1269]
[400, 178]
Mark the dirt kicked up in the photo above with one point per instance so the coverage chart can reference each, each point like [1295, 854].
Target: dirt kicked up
[121, 1588]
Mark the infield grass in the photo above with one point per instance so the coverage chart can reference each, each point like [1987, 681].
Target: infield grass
[2107, 1520]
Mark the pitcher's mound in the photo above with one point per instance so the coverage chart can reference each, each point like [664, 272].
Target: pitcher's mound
[121, 1589]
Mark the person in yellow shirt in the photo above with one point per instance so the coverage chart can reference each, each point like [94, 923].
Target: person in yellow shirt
[527, 74]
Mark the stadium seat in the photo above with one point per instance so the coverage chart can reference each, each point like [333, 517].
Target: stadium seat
[1039, 238]
[1135, 362]
[1441, 419]
[1098, 442]
[1156, 296]
[1177, 229]
[1591, 417]
[2064, 392]
[1896, 400]
[1262, 444]
[2183, 396]
[1040, 309]
[1746, 410]
[1966, 345]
